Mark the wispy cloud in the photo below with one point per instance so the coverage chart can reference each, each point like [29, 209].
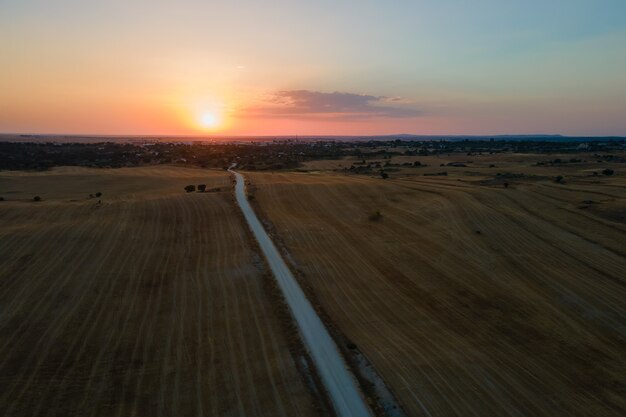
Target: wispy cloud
[336, 105]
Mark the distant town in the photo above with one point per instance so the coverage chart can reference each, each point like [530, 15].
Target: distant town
[273, 154]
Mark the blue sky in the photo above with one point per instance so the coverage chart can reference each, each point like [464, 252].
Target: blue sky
[452, 66]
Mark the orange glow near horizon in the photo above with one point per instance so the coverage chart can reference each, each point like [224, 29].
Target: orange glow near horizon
[249, 69]
[199, 115]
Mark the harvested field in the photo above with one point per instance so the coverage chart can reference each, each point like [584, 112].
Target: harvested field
[470, 299]
[150, 303]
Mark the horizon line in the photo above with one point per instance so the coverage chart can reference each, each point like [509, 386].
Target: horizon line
[225, 136]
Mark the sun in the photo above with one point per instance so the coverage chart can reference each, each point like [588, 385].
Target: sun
[209, 120]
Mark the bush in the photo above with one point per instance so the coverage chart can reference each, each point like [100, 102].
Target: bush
[98, 194]
[202, 188]
[1, 198]
[384, 175]
[559, 179]
[190, 188]
[375, 216]
[607, 171]
[506, 185]
[36, 198]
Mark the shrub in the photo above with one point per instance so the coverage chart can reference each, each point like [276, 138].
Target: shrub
[202, 188]
[559, 179]
[36, 198]
[375, 216]
[384, 175]
[190, 188]
[506, 185]
[98, 194]
[607, 171]
[1, 198]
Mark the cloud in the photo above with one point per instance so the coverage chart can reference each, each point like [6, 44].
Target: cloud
[337, 105]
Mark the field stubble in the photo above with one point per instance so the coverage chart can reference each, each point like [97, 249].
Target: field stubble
[150, 303]
[469, 299]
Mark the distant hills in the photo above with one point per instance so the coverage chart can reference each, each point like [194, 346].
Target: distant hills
[224, 138]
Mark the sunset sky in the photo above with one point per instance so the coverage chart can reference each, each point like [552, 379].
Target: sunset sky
[343, 67]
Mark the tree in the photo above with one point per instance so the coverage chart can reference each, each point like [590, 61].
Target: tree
[559, 179]
[202, 188]
[607, 171]
[190, 188]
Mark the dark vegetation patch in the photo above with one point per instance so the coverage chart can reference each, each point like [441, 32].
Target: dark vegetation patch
[284, 154]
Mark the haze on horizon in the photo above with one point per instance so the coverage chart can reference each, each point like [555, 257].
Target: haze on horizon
[313, 68]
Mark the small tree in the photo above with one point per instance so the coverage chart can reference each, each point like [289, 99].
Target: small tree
[559, 179]
[36, 198]
[506, 185]
[202, 188]
[1, 198]
[190, 188]
[98, 194]
[384, 175]
[607, 171]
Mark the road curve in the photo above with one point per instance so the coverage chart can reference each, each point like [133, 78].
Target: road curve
[337, 379]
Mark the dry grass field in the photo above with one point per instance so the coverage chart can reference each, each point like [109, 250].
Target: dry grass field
[470, 299]
[152, 303]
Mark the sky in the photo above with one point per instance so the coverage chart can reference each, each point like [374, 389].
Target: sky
[323, 67]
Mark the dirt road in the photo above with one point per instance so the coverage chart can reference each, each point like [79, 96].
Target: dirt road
[340, 384]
